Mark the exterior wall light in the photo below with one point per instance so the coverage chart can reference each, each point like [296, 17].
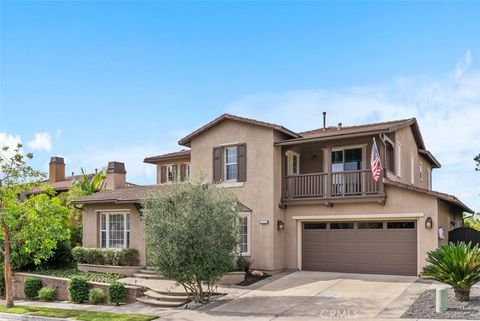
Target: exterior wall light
[428, 223]
[280, 225]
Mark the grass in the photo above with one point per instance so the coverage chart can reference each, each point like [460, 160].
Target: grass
[68, 273]
[75, 314]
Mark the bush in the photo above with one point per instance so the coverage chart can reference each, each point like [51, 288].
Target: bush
[118, 257]
[457, 265]
[31, 286]
[96, 296]
[46, 294]
[243, 263]
[62, 256]
[78, 289]
[116, 293]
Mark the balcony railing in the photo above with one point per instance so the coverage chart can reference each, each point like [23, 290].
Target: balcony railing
[331, 185]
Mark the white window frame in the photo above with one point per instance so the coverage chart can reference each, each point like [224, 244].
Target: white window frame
[420, 171]
[188, 169]
[412, 168]
[290, 170]
[169, 168]
[398, 159]
[248, 215]
[233, 163]
[343, 148]
[126, 232]
[429, 178]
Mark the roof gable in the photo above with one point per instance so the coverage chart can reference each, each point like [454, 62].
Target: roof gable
[187, 139]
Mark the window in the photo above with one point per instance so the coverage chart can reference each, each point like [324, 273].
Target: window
[370, 225]
[231, 163]
[314, 226]
[244, 224]
[187, 171]
[341, 226]
[114, 230]
[347, 159]
[420, 171]
[293, 163]
[429, 178]
[402, 225]
[412, 168]
[170, 173]
[398, 159]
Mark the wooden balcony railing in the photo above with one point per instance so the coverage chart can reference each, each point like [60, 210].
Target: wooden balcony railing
[331, 185]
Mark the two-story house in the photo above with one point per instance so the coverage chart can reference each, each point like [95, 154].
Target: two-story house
[308, 200]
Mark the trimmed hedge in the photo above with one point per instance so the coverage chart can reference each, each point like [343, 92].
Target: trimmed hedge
[78, 289]
[31, 287]
[116, 293]
[46, 294]
[118, 257]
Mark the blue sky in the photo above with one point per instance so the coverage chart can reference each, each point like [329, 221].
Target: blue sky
[100, 81]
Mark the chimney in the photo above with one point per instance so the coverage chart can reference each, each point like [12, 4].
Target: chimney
[324, 120]
[56, 171]
[115, 176]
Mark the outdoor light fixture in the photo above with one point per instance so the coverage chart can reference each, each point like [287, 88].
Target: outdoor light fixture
[428, 223]
[314, 157]
[280, 225]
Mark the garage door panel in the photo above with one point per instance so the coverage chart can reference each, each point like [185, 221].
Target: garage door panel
[365, 250]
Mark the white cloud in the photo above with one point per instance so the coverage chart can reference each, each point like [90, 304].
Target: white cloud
[448, 111]
[9, 140]
[58, 133]
[42, 141]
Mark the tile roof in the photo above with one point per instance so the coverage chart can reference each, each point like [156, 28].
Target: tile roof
[180, 154]
[120, 195]
[442, 196]
[187, 139]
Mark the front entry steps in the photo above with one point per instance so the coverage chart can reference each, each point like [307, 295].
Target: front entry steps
[149, 274]
[164, 299]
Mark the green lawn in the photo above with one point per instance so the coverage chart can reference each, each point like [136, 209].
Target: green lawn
[75, 314]
[90, 276]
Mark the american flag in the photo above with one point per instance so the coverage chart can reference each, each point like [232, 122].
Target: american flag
[376, 164]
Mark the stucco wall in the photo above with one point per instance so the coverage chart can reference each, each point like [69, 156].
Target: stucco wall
[446, 215]
[91, 226]
[258, 191]
[398, 201]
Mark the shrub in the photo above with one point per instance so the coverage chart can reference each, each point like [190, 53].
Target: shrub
[31, 286]
[119, 257]
[62, 256]
[96, 296]
[191, 232]
[457, 265]
[78, 289]
[116, 293]
[244, 263]
[46, 294]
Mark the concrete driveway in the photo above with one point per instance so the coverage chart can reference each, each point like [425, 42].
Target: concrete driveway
[329, 296]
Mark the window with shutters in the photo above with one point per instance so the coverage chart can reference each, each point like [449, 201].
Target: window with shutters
[230, 154]
[170, 173]
[187, 171]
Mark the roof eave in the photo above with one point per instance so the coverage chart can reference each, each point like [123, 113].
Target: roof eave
[302, 140]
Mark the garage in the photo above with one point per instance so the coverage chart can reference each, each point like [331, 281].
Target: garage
[380, 247]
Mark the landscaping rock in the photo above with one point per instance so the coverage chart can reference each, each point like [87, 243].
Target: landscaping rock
[424, 307]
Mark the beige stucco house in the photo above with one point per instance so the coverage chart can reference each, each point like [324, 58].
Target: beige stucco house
[309, 201]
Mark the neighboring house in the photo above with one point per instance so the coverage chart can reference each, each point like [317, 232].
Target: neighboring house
[309, 201]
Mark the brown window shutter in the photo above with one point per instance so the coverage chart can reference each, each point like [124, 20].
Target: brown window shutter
[163, 174]
[183, 170]
[242, 162]
[217, 164]
[175, 172]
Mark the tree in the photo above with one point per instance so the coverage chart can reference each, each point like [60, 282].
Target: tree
[455, 264]
[191, 234]
[29, 226]
[477, 162]
[473, 222]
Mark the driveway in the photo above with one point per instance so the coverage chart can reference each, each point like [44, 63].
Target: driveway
[329, 295]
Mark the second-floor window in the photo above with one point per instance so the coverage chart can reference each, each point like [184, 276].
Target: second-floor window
[230, 163]
[347, 159]
[170, 171]
[188, 172]
[420, 171]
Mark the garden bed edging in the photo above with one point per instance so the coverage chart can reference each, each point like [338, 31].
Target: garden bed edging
[231, 278]
[126, 270]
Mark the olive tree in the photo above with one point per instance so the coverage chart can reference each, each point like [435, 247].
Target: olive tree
[191, 234]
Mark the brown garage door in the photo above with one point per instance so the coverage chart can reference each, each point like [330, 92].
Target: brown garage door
[360, 247]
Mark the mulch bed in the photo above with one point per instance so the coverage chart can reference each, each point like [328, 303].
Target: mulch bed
[424, 307]
[250, 279]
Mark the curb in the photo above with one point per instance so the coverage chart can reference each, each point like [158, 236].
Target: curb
[23, 317]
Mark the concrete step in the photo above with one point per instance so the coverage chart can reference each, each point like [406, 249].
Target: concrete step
[149, 276]
[160, 304]
[147, 271]
[151, 268]
[176, 297]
